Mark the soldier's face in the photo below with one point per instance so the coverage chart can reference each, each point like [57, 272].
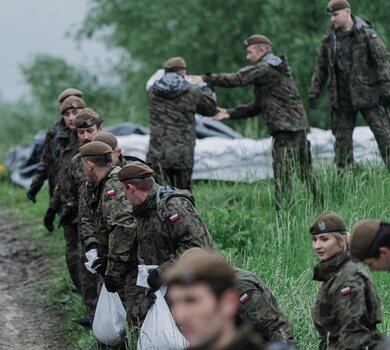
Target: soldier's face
[88, 169]
[254, 53]
[326, 246]
[340, 18]
[200, 315]
[69, 116]
[116, 155]
[379, 264]
[86, 135]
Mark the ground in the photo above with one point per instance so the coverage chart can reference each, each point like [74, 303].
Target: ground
[27, 321]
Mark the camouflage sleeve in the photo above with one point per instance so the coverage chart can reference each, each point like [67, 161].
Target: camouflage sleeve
[55, 200]
[349, 302]
[87, 230]
[185, 227]
[74, 187]
[259, 307]
[320, 74]
[41, 173]
[206, 105]
[248, 110]
[380, 57]
[322, 338]
[122, 227]
[253, 74]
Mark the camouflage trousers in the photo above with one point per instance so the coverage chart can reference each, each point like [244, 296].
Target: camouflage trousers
[291, 153]
[343, 124]
[72, 254]
[179, 178]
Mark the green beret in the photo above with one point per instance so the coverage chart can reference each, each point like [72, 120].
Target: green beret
[107, 138]
[95, 149]
[328, 222]
[87, 118]
[335, 5]
[174, 64]
[69, 92]
[72, 102]
[134, 170]
[196, 264]
[257, 39]
[363, 236]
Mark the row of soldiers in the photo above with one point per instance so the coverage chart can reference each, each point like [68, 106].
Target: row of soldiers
[118, 209]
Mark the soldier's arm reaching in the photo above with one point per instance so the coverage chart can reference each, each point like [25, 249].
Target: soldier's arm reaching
[248, 110]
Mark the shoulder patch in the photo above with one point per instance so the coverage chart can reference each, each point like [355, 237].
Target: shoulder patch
[374, 36]
[345, 291]
[110, 193]
[244, 298]
[175, 217]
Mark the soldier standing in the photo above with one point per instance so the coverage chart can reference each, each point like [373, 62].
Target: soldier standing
[47, 168]
[347, 308]
[167, 222]
[354, 62]
[277, 98]
[172, 104]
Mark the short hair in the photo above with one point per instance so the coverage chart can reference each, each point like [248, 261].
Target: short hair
[382, 240]
[144, 184]
[100, 161]
[267, 46]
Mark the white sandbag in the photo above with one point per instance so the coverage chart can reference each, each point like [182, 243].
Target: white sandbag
[109, 323]
[159, 330]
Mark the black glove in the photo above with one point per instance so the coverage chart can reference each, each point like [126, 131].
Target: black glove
[384, 100]
[111, 284]
[312, 102]
[154, 280]
[48, 219]
[151, 297]
[68, 213]
[100, 265]
[32, 192]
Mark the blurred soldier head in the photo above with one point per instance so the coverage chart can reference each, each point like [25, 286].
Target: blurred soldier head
[137, 181]
[203, 300]
[112, 141]
[370, 243]
[340, 14]
[88, 124]
[256, 47]
[329, 235]
[69, 92]
[177, 65]
[97, 158]
[70, 108]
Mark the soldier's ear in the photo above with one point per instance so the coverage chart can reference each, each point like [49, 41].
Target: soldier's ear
[384, 251]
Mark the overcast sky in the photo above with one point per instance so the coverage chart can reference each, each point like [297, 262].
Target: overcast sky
[29, 27]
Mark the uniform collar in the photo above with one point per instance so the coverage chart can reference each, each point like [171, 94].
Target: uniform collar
[148, 204]
[326, 269]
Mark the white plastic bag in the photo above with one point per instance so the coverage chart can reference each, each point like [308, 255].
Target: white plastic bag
[109, 323]
[91, 255]
[159, 330]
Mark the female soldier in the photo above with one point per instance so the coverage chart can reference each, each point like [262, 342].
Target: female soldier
[347, 308]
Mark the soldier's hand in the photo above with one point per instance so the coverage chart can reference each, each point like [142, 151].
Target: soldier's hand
[154, 280]
[222, 114]
[100, 265]
[68, 213]
[312, 102]
[32, 192]
[111, 284]
[195, 79]
[48, 219]
[384, 100]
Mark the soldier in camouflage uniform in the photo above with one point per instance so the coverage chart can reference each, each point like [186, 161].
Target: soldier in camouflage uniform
[354, 62]
[277, 98]
[347, 308]
[48, 164]
[115, 228]
[172, 104]
[168, 223]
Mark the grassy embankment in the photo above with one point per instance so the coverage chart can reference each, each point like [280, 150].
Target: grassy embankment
[245, 227]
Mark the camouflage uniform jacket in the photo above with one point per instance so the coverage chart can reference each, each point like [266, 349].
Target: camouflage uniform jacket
[48, 163]
[260, 308]
[168, 224]
[114, 224]
[68, 147]
[370, 68]
[172, 103]
[276, 94]
[347, 308]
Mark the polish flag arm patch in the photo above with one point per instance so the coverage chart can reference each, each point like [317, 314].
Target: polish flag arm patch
[110, 193]
[346, 291]
[244, 298]
[175, 217]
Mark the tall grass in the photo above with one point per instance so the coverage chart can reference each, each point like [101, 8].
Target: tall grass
[246, 228]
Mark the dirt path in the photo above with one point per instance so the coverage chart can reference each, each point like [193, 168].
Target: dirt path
[25, 321]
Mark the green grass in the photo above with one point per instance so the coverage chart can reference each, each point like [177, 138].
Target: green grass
[245, 227]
